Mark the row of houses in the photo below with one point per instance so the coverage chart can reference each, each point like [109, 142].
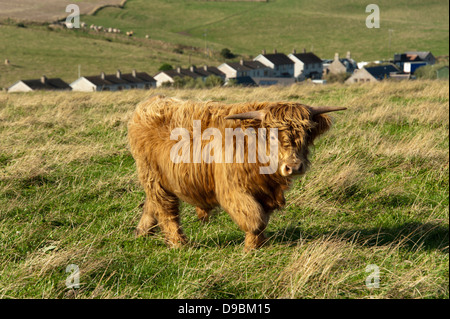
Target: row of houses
[265, 69]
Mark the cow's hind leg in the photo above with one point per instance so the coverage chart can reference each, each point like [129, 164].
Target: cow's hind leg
[203, 215]
[169, 222]
[165, 208]
[160, 208]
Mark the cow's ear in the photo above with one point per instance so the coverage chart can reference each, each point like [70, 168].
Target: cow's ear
[323, 124]
[323, 121]
[252, 115]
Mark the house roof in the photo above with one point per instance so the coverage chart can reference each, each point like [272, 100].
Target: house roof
[139, 78]
[181, 73]
[421, 54]
[278, 58]
[48, 84]
[97, 80]
[208, 70]
[114, 79]
[111, 79]
[246, 65]
[382, 71]
[308, 58]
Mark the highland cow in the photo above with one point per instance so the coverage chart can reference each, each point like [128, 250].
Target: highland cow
[237, 186]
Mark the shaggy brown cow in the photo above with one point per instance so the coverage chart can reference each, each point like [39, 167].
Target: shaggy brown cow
[239, 188]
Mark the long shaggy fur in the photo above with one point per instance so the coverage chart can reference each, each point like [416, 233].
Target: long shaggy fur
[248, 196]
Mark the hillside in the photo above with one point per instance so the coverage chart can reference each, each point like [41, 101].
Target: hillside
[376, 194]
[324, 26]
[37, 50]
[183, 31]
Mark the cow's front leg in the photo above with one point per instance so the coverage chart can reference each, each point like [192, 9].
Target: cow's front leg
[250, 216]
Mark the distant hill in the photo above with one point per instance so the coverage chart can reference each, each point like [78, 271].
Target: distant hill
[323, 26]
[195, 31]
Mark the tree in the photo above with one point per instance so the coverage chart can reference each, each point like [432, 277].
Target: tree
[178, 82]
[165, 67]
[226, 54]
[213, 81]
[339, 77]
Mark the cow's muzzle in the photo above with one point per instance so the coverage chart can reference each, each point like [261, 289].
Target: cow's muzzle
[293, 168]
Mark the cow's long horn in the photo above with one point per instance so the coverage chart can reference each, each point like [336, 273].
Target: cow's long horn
[325, 109]
[252, 115]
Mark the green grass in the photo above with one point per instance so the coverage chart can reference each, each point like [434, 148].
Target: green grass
[377, 193]
[325, 26]
[36, 50]
[177, 35]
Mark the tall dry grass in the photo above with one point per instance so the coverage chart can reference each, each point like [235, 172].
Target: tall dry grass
[377, 193]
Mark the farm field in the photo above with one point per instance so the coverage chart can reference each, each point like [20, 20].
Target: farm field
[376, 194]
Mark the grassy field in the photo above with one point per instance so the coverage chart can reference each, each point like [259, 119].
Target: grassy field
[37, 50]
[323, 26]
[377, 194]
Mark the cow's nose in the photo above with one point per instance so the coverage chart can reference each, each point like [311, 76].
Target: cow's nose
[288, 169]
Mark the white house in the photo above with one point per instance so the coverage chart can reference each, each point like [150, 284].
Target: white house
[307, 65]
[113, 82]
[279, 64]
[39, 84]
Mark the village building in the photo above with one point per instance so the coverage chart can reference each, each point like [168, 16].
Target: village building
[54, 84]
[233, 70]
[170, 75]
[411, 67]
[425, 56]
[207, 71]
[279, 64]
[113, 82]
[307, 65]
[375, 74]
[412, 60]
[341, 65]
[139, 80]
